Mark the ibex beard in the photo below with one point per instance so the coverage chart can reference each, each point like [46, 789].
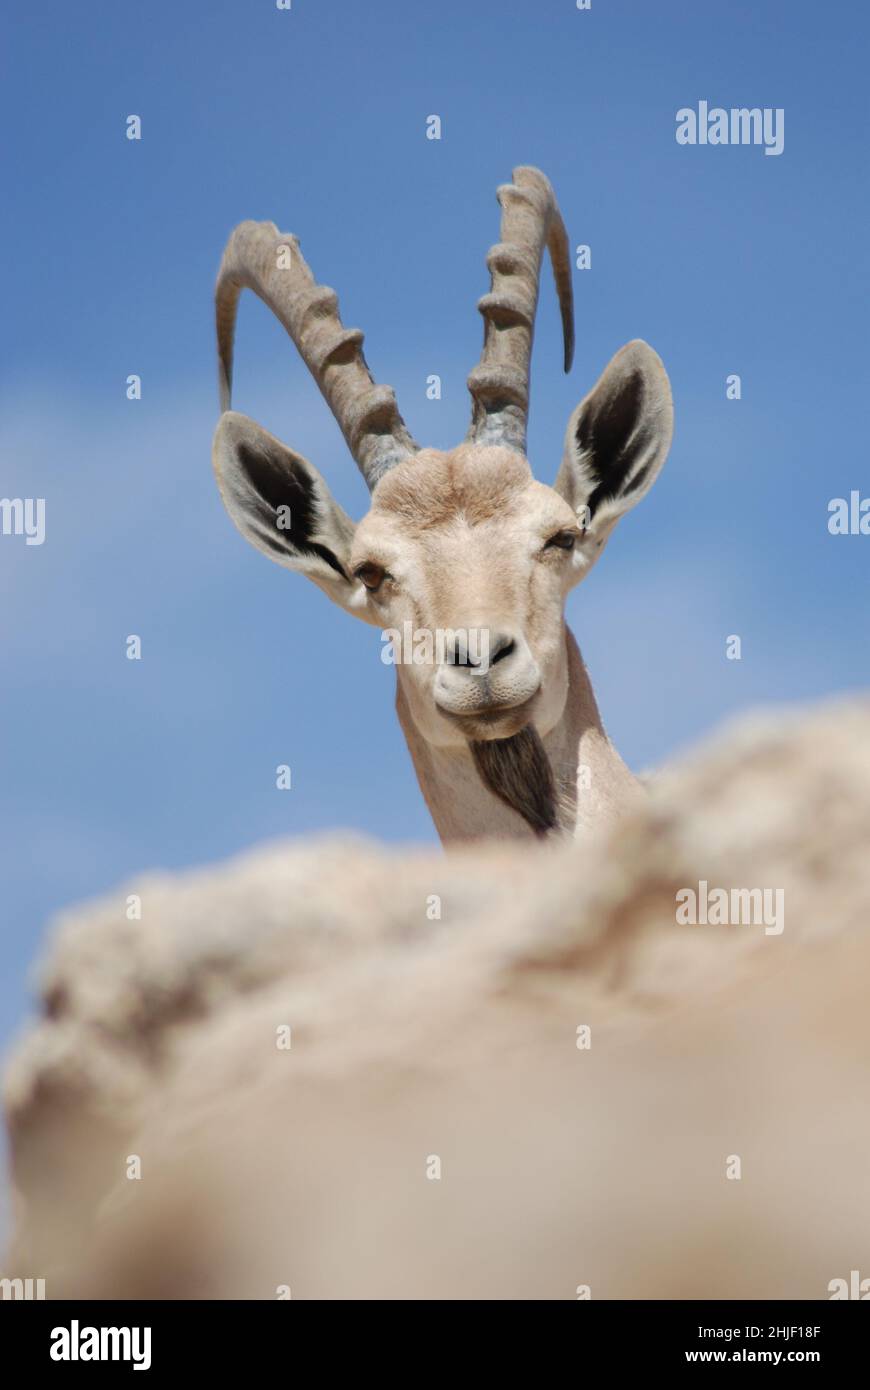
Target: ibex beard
[517, 771]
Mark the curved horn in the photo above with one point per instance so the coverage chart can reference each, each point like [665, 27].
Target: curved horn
[260, 258]
[499, 384]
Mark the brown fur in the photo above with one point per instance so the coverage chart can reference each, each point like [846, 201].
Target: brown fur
[518, 771]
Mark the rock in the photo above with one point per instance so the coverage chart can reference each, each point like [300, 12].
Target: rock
[433, 1003]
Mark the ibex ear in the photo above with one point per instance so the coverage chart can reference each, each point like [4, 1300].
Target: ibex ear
[282, 505]
[617, 439]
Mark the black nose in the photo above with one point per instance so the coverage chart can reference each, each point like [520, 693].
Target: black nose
[462, 652]
[501, 646]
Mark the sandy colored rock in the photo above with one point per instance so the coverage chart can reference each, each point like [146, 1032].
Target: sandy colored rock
[417, 1037]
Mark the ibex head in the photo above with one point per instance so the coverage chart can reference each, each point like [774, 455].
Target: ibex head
[455, 542]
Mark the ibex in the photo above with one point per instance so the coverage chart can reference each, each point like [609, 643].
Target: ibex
[465, 540]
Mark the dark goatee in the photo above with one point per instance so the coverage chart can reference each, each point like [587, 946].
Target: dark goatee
[517, 770]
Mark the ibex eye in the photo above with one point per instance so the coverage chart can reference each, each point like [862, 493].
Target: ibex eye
[370, 575]
[563, 540]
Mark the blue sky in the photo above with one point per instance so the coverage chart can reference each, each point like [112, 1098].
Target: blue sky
[724, 259]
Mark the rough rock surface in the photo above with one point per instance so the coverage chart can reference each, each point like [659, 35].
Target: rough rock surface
[419, 1038]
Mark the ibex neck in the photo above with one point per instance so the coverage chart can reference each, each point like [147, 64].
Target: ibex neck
[595, 787]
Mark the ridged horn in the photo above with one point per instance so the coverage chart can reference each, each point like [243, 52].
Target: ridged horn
[499, 384]
[260, 258]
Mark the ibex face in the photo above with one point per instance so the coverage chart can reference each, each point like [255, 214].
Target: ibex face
[468, 547]
[463, 546]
